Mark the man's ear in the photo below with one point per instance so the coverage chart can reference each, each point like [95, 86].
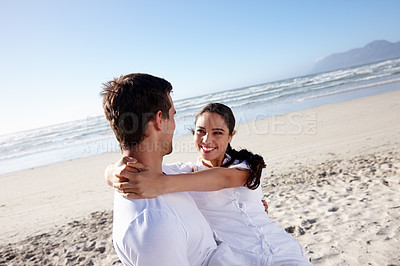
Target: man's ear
[158, 120]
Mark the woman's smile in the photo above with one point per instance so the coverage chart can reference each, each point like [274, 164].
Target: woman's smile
[207, 149]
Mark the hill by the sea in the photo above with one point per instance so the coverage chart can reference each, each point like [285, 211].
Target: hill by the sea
[370, 53]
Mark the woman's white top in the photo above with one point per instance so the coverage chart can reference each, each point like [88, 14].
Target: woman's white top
[238, 218]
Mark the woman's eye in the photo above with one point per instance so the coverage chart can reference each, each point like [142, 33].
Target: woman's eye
[200, 131]
[218, 133]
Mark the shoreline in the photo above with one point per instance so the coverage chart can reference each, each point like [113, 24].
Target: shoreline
[298, 148]
[249, 114]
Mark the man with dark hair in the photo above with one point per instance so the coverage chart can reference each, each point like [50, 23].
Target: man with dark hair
[169, 229]
[131, 101]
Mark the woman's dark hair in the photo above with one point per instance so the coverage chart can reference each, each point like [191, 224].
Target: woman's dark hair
[255, 161]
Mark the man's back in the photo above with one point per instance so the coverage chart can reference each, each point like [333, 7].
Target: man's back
[167, 230]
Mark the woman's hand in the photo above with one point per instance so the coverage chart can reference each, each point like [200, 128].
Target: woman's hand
[140, 181]
[265, 205]
[119, 171]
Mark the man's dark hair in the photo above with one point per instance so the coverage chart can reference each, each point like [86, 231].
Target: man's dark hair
[131, 101]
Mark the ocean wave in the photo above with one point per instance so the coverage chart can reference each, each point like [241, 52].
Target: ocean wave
[57, 145]
[348, 89]
[55, 140]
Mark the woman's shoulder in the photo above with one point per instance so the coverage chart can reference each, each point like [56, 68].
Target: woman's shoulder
[240, 164]
[178, 167]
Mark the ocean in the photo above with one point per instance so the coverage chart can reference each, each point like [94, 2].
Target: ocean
[92, 135]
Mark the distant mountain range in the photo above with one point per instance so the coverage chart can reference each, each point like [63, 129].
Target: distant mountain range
[373, 52]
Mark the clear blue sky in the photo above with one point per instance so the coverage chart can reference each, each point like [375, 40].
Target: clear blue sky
[55, 55]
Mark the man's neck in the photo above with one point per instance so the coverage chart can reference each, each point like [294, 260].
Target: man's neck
[147, 154]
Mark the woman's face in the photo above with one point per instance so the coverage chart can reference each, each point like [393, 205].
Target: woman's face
[211, 138]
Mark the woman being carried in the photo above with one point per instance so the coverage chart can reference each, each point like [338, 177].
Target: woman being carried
[232, 180]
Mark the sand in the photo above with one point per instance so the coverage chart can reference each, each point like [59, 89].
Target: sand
[333, 181]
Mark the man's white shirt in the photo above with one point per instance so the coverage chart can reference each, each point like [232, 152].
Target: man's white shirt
[167, 230]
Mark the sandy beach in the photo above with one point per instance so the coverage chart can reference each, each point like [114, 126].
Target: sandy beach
[332, 180]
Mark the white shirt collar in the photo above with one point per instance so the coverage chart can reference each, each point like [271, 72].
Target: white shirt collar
[226, 159]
